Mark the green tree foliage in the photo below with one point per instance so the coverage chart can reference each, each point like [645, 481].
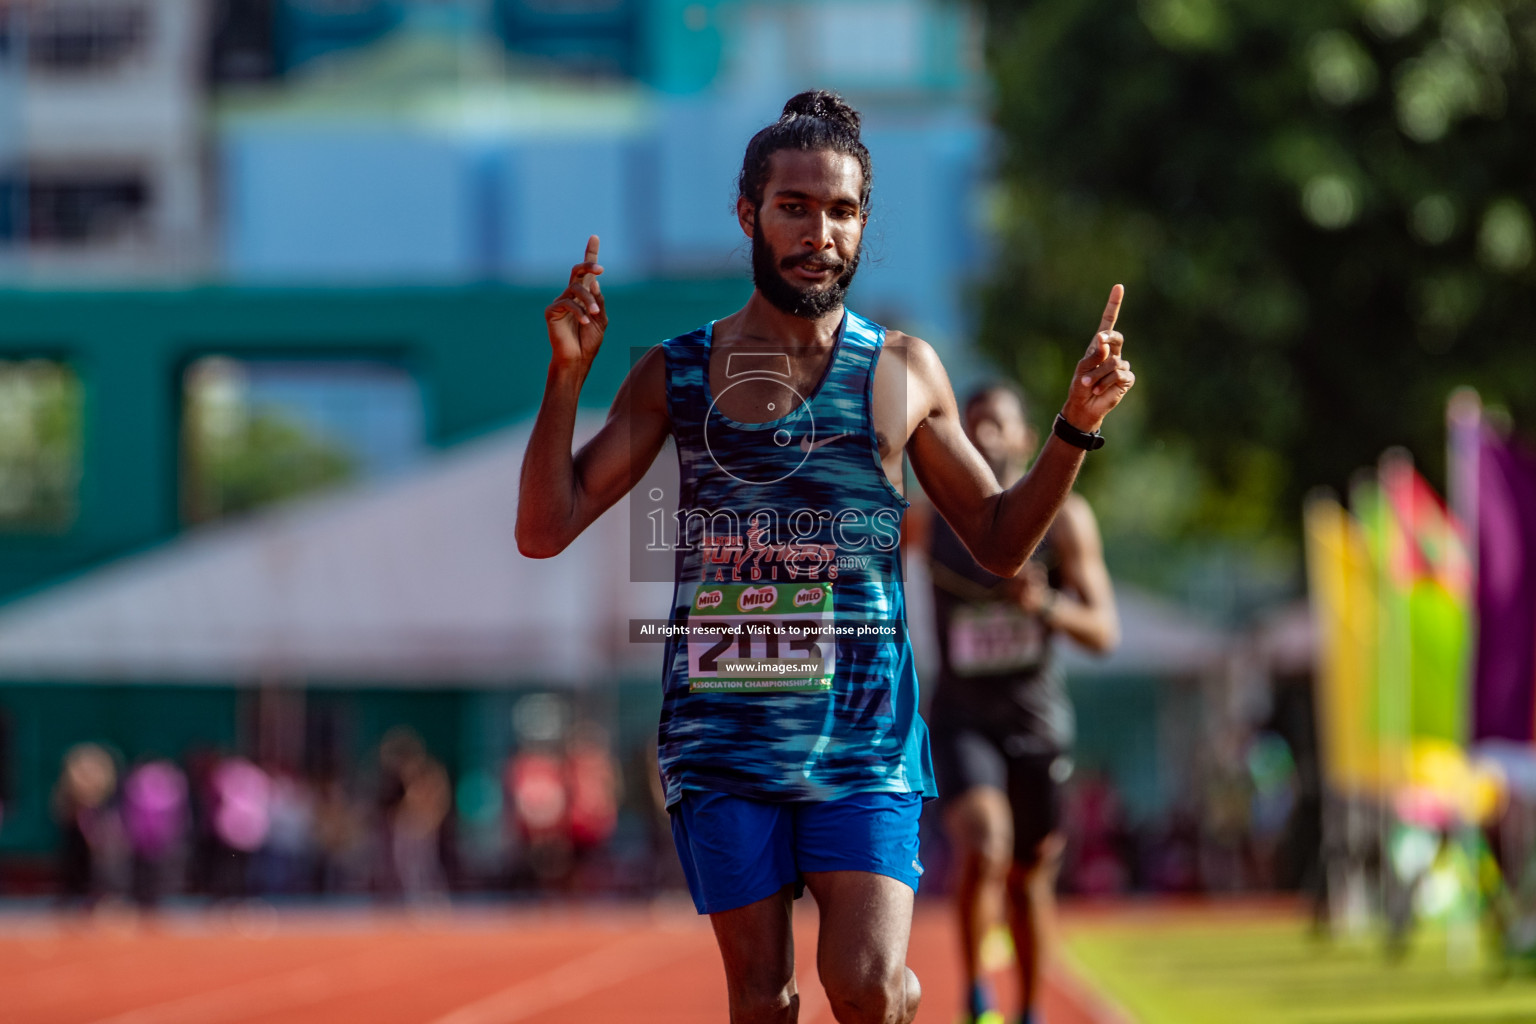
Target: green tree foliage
[39, 445]
[241, 455]
[273, 458]
[1321, 211]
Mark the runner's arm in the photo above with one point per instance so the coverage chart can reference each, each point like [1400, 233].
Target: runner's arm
[1084, 609]
[1001, 528]
[560, 495]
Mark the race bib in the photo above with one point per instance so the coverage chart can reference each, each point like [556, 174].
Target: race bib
[761, 638]
[990, 639]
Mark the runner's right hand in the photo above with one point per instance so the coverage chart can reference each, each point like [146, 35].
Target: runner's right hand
[577, 319]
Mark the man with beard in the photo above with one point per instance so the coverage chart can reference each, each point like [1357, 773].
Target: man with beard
[790, 746]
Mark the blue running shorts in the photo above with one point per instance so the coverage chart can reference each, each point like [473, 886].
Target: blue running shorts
[736, 851]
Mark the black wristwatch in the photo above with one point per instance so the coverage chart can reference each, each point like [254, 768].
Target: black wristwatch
[1078, 438]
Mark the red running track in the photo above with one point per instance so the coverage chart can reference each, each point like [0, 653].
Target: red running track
[624, 963]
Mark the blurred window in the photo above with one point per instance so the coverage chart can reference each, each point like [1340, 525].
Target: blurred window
[75, 208]
[572, 6]
[76, 37]
[332, 7]
[600, 37]
[13, 207]
[242, 41]
[312, 28]
[257, 431]
[40, 445]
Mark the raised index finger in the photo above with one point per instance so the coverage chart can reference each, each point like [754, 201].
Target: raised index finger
[590, 257]
[1111, 308]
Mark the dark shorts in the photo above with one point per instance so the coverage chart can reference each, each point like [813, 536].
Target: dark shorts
[737, 851]
[1030, 774]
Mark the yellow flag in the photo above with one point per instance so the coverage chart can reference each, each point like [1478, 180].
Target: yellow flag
[1341, 581]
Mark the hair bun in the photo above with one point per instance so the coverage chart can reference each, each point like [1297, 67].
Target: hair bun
[828, 106]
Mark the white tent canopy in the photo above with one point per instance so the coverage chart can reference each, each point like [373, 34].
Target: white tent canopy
[415, 581]
[1157, 638]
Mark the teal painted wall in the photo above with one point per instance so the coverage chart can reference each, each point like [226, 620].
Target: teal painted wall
[366, 715]
[1120, 720]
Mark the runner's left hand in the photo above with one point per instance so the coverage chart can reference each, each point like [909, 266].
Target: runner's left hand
[1102, 377]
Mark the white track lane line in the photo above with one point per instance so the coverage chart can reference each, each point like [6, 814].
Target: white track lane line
[600, 969]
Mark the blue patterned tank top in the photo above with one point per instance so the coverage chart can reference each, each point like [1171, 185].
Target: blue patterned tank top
[793, 679]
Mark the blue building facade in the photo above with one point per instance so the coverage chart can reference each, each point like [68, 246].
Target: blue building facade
[440, 143]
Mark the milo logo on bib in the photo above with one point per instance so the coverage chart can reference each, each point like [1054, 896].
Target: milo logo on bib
[709, 599]
[756, 599]
[809, 596]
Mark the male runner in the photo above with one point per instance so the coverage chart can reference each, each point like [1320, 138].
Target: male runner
[797, 757]
[1002, 723]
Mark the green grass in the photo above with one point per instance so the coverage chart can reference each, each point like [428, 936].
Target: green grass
[1185, 969]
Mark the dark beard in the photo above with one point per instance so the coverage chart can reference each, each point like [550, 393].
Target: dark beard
[806, 303]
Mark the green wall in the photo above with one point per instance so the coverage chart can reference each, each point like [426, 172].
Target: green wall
[1120, 725]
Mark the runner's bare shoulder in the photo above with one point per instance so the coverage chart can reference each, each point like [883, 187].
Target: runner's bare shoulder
[908, 369]
[1075, 526]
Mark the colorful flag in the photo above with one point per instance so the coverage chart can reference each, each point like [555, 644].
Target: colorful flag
[1342, 583]
[1504, 660]
[1428, 570]
[1391, 707]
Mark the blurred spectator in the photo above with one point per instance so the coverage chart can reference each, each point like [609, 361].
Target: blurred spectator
[397, 749]
[81, 807]
[540, 812]
[1226, 816]
[1096, 838]
[592, 793]
[200, 763]
[341, 847]
[1272, 770]
[665, 871]
[415, 797]
[154, 819]
[5, 765]
[284, 860]
[424, 804]
[1172, 855]
[241, 818]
